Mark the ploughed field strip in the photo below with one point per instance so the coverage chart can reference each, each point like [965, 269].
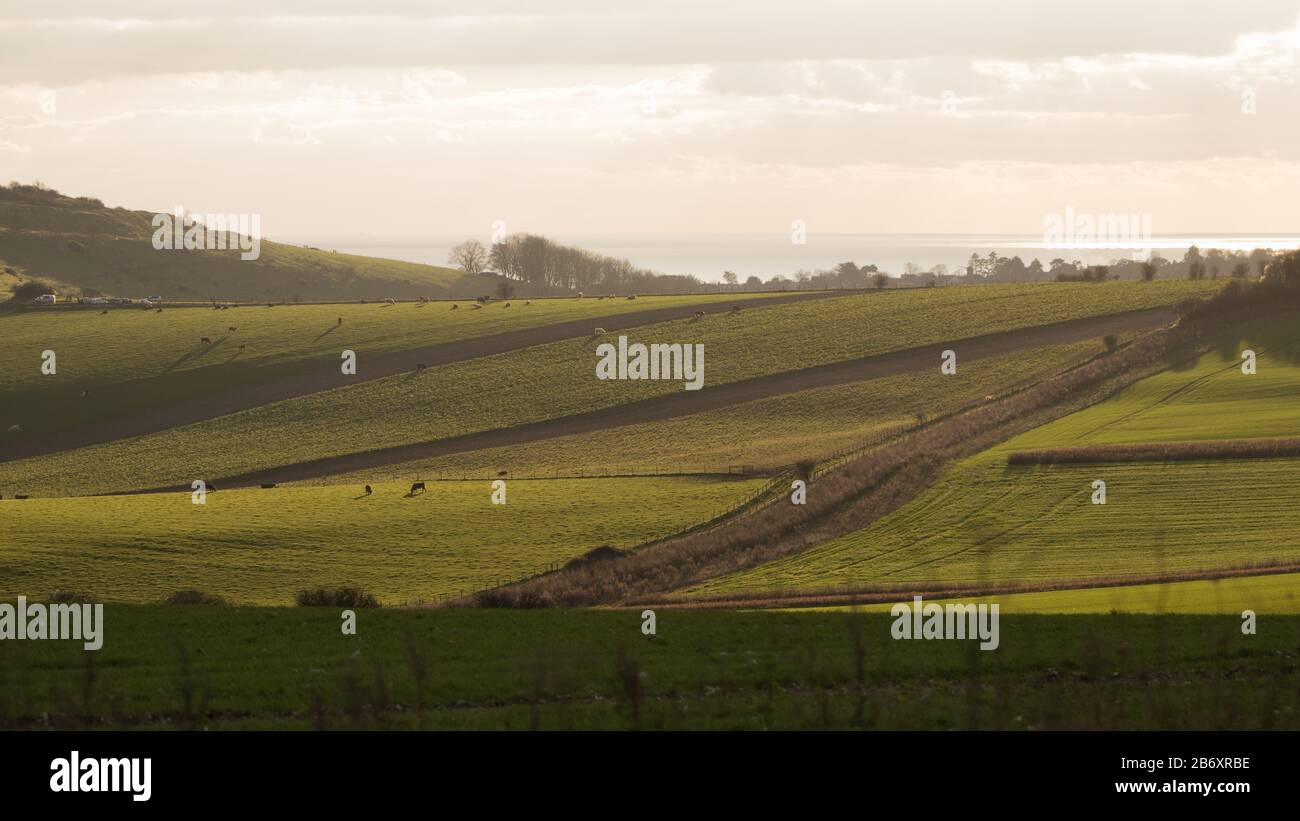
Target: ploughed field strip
[243, 447]
[991, 522]
[130, 373]
[262, 546]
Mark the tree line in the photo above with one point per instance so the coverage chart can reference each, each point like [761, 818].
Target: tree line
[545, 266]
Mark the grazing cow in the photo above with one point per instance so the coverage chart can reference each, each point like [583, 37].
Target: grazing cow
[507, 305]
[414, 487]
[528, 302]
[477, 305]
[158, 311]
[390, 301]
[232, 329]
[241, 348]
[211, 487]
[20, 496]
[632, 297]
[101, 313]
[340, 320]
[368, 490]
[735, 309]
[454, 306]
[268, 487]
[502, 472]
[205, 341]
[15, 428]
[580, 295]
[419, 366]
[84, 394]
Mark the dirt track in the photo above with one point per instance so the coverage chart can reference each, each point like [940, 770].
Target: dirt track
[326, 375]
[710, 398]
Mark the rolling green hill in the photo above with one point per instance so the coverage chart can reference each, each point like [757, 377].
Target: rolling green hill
[130, 359]
[986, 522]
[92, 249]
[768, 433]
[558, 379]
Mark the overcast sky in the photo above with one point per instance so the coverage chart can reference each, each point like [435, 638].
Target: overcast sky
[608, 116]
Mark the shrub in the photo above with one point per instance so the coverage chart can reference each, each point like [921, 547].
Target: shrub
[1111, 341]
[350, 597]
[193, 597]
[69, 597]
[28, 291]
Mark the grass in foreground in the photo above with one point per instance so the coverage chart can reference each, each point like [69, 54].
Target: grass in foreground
[262, 546]
[228, 667]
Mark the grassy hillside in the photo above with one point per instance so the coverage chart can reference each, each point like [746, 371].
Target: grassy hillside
[768, 433]
[987, 522]
[559, 379]
[239, 667]
[90, 248]
[130, 359]
[1208, 399]
[262, 546]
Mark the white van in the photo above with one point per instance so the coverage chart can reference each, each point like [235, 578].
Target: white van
[45, 299]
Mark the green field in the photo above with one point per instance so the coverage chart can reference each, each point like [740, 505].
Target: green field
[1207, 399]
[768, 433]
[226, 667]
[1276, 594]
[984, 522]
[262, 546]
[130, 358]
[553, 380]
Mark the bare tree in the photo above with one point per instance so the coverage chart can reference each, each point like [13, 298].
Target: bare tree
[470, 256]
[729, 277]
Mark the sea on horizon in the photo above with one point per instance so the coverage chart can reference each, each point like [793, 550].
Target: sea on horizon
[707, 256]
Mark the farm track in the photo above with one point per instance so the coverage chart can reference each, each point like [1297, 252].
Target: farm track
[710, 398]
[325, 375]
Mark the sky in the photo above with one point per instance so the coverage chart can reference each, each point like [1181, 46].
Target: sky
[582, 117]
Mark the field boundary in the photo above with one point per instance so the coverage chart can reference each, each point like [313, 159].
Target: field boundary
[1210, 449]
[884, 594]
